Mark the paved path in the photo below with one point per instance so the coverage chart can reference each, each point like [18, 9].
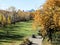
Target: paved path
[37, 40]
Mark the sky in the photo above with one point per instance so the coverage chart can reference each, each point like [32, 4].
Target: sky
[21, 4]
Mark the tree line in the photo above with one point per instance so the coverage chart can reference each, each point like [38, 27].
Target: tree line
[11, 16]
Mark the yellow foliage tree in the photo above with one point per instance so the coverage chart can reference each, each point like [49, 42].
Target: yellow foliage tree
[48, 17]
[9, 20]
[3, 20]
[1, 17]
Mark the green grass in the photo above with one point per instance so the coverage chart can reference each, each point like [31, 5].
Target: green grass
[23, 29]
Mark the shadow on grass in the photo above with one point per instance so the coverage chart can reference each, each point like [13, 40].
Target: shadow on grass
[6, 35]
[10, 38]
[11, 28]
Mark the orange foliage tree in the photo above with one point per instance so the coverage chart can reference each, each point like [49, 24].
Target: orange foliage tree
[47, 19]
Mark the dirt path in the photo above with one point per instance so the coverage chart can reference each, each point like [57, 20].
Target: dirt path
[36, 41]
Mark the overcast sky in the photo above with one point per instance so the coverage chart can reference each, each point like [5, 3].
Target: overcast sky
[21, 4]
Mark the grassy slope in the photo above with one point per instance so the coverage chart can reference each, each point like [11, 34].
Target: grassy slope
[20, 28]
[25, 28]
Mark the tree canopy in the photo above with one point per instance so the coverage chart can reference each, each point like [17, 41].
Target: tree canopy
[48, 17]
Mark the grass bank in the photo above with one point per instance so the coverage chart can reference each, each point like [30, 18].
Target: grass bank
[16, 33]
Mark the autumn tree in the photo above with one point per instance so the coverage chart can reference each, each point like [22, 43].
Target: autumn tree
[24, 16]
[12, 9]
[48, 18]
[3, 20]
[9, 20]
[21, 14]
